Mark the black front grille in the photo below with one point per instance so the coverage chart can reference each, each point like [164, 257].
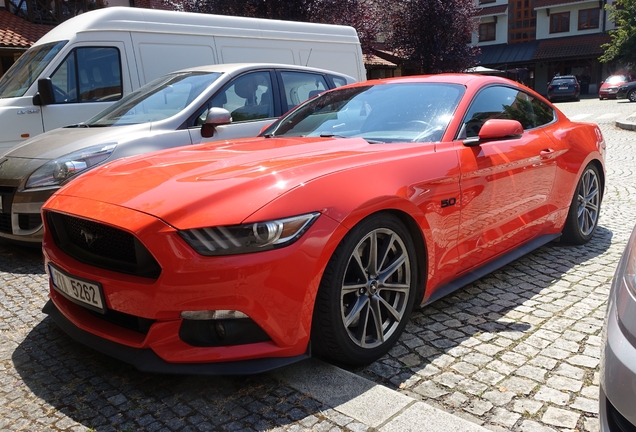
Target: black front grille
[101, 245]
[616, 421]
[6, 196]
[29, 221]
[130, 322]
[5, 223]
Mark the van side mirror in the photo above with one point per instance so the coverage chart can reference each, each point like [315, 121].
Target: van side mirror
[216, 117]
[45, 94]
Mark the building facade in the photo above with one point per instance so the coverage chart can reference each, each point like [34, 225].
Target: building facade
[534, 40]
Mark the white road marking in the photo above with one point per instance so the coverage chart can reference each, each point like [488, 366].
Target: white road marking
[579, 117]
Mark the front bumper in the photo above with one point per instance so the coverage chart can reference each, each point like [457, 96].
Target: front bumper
[275, 289]
[618, 364]
[146, 360]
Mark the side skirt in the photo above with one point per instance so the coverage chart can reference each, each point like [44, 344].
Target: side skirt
[489, 267]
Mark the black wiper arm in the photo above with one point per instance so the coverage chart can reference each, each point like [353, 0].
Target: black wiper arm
[78, 125]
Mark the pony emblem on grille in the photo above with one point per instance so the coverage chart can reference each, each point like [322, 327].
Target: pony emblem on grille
[89, 237]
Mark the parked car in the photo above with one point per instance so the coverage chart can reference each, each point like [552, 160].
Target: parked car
[86, 63]
[231, 257]
[618, 364]
[627, 91]
[610, 86]
[180, 108]
[564, 87]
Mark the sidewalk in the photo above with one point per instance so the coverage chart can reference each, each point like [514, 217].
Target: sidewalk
[373, 405]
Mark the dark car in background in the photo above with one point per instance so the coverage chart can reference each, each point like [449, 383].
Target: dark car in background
[627, 91]
[610, 86]
[564, 87]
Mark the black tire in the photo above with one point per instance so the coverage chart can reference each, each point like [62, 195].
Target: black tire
[351, 292]
[632, 96]
[584, 210]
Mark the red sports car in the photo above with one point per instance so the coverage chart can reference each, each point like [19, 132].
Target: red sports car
[321, 234]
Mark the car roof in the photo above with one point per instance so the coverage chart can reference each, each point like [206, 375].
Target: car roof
[234, 68]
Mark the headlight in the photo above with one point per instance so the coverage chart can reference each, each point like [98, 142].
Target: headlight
[247, 238]
[55, 172]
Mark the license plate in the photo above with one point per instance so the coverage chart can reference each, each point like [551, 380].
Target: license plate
[563, 87]
[80, 291]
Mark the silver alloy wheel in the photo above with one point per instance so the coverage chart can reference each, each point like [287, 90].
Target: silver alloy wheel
[632, 96]
[376, 288]
[589, 198]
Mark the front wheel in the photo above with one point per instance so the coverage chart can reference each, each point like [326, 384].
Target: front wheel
[366, 293]
[584, 210]
[632, 96]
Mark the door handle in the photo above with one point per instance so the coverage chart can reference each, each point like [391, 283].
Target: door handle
[546, 153]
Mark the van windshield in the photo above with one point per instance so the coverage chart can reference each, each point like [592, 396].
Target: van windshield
[27, 69]
[157, 100]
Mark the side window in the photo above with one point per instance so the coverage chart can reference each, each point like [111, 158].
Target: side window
[88, 74]
[499, 102]
[249, 97]
[338, 81]
[300, 86]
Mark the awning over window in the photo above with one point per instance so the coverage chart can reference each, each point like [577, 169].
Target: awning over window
[501, 54]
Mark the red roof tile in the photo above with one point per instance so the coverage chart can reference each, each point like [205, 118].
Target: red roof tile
[548, 3]
[574, 46]
[492, 10]
[16, 32]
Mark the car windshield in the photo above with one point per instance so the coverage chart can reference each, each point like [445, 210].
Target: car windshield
[157, 100]
[615, 79]
[17, 80]
[405, 112]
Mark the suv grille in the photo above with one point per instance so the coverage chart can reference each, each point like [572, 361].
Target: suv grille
[101, 245]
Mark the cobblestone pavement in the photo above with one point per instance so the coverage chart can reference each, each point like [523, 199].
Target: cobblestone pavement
[519, 349]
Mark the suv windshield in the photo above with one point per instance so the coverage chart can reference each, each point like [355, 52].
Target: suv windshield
[157, 100]
[25, 71]
[405, 112]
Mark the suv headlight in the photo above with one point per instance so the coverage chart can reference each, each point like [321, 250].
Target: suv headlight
[55, 172]
[247, 238]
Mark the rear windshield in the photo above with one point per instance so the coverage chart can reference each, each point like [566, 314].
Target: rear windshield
[561, 81]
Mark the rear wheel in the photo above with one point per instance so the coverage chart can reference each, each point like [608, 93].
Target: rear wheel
[584, 210]
[366, 293]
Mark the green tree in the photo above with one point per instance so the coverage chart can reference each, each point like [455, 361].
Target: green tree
[622, 48]
[434, 35]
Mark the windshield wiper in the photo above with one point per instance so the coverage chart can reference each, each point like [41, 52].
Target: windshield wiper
[78, 125]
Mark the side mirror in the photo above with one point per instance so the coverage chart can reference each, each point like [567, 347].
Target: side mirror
[45, 94]
[216, 117]
[496, 129]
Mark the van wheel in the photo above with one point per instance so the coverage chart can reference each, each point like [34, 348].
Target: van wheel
[366, 293]
[584, 210]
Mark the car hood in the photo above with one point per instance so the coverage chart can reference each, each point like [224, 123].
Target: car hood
[59, 142]
[221, 182]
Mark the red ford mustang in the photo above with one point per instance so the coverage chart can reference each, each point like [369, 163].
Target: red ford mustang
[321, 234]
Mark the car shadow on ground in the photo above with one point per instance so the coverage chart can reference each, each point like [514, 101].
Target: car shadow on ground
[441, 334]
[20, 259]
[104, 394]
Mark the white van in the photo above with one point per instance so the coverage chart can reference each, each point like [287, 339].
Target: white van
[84, 64]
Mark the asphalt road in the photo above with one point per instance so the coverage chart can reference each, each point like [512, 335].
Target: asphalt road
[517, 350]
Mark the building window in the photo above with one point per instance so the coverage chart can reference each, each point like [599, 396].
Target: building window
[522, 21]
[588, 19]
[487, 32]
[560, 22]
